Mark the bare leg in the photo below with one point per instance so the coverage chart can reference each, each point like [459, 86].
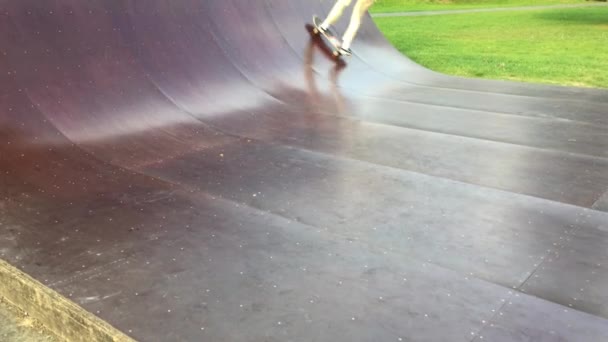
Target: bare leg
[355, 22]
[335, 13]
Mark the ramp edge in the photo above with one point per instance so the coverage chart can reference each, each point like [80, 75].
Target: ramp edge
[58, 315]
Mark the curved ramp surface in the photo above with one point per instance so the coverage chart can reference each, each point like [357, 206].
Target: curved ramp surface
[199, 170]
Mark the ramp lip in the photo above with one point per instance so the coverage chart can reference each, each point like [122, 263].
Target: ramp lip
[58, 315]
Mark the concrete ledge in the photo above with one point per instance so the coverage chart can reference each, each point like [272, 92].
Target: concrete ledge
[58, 315]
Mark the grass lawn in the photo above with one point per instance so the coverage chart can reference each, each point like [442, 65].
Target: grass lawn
[384, 6]
[558, 46]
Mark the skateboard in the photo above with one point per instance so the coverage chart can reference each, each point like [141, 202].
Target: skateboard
[328, 35]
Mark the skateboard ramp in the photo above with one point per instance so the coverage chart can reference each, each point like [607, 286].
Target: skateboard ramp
[200, 171]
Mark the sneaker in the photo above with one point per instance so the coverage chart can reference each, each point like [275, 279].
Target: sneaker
[345, 52]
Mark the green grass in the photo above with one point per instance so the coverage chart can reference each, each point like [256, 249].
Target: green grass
[384, 6]
[557, 46]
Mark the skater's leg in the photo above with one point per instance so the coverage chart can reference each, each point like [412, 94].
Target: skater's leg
[355, 22]
[335, 13]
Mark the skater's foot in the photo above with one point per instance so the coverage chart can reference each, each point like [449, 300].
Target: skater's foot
[324, 29]
[345, 51]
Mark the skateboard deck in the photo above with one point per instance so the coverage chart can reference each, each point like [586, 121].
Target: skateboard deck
[329, 36]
